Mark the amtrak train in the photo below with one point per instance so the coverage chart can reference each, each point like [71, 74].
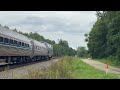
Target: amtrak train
[17, 48]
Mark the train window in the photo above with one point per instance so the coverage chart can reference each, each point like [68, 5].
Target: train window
[11, 41]
[19, 43]
[23, 44]
[27, 45]
[15, 42]
[6, 40]
[1, 39]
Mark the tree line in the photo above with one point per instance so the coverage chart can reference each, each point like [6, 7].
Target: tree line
[104, 37]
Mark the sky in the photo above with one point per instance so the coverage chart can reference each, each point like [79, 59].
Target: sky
[53, 25]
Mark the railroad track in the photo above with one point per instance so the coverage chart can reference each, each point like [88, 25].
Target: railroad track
[7, 67]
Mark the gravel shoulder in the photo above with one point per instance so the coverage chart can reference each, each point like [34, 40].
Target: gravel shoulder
[101, 66]
[20, 71]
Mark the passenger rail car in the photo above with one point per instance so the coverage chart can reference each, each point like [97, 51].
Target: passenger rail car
[17, 48]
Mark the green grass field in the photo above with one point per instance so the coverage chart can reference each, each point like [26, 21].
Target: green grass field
[69, 68]
[84, 71]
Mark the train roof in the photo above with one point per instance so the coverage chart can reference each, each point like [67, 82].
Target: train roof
[12, 34]
[46, 43]
[7, 32]
[39, 43]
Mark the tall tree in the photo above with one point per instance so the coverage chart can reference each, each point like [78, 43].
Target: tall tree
[82, 52]
[63, 43]
[104, 38]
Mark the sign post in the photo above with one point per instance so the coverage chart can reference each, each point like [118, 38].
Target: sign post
[107, 66]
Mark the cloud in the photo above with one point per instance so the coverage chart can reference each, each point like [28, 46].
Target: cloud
[52, 24]
[68, 25]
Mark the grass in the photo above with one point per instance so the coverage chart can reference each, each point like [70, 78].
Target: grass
[84, 71]
[69, 68]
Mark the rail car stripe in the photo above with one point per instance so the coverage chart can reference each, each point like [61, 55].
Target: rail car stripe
[15, 46]
[8, 54]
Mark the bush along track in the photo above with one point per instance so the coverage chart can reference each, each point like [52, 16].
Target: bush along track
[69, 68]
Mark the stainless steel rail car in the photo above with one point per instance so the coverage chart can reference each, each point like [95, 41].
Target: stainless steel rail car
[18, 48]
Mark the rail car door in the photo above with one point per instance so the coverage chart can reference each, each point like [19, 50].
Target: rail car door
[32, 53]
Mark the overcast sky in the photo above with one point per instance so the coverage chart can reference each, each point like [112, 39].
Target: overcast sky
[54, 25]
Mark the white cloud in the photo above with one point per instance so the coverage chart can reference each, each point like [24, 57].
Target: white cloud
[67, 25]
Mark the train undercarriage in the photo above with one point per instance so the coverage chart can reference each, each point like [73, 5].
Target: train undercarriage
[22, 59]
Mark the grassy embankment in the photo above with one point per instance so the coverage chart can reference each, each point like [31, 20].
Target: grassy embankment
[69, 68]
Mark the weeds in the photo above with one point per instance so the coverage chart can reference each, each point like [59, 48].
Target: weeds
[68, 68]
[60, 70]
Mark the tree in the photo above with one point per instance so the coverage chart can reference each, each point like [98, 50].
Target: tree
[113, 38]
[97, 40]
[86, 39]
[63, 43]
[6, 27]
[82, 52]
[86, 35]
[15, 30]
[104, 38]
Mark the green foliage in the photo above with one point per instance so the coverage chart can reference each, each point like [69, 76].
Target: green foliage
[63, 43]
[6, 27]
[104, 38]
[97, 40]
[82, 52]
[86, 35]
[62, 51]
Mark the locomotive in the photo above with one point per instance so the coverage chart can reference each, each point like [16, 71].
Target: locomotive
[17, 48]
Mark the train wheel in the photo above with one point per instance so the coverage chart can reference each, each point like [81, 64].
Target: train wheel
[46, 58]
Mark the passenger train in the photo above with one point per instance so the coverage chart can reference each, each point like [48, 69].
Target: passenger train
[17, 48]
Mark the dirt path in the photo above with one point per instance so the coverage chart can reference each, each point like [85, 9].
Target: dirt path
[101, 66]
